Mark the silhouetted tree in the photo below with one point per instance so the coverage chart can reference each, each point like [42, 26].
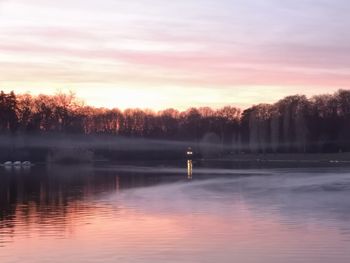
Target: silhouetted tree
[293, 124]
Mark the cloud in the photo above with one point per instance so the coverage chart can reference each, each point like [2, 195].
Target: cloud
[195, 43]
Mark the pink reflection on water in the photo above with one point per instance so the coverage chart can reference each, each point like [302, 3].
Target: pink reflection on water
[105, 232]
[103, 218]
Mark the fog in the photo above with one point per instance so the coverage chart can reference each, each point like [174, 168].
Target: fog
[294, 195]
[88, 142]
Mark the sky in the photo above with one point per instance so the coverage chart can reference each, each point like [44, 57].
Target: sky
[159, 54]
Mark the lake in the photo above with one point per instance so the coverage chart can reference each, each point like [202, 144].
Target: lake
[162, 213]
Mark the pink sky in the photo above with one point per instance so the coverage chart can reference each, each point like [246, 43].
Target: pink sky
[152, 54]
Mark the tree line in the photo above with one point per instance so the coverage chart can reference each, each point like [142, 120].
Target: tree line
[293, 124]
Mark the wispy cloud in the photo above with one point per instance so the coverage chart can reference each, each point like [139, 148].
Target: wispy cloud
[221, 46]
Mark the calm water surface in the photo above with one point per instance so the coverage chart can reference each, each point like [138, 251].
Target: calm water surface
[156, 214]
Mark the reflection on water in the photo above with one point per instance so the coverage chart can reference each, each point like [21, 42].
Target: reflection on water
[114, 214]
[189, 169]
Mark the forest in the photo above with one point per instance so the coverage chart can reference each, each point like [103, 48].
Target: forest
[293, 124]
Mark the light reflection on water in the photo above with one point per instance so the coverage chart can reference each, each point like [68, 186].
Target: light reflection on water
[133, 214]
[189, 169]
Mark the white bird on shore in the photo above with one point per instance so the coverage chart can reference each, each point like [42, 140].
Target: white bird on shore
[8, 163]
[26, 163]
[17, 163]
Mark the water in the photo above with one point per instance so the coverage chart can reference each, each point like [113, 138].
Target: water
[158, 214]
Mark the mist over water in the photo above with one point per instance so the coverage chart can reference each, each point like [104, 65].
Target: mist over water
[125, 213]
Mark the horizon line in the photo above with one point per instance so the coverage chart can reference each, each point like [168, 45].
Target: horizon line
[85, 104]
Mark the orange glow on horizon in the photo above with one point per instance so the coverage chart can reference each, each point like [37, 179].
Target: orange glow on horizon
[180, 98]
